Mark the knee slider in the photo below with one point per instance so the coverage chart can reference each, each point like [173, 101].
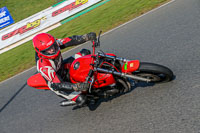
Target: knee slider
[85, 52]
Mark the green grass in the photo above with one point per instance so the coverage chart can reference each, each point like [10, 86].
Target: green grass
[103, 18]
[21, 9]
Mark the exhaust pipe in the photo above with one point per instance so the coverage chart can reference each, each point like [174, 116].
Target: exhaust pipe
[67, 103]
[108, 93]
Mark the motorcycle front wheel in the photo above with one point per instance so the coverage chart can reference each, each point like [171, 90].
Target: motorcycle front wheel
[156, 73]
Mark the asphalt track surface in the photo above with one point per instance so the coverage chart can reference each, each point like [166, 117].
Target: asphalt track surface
[170, 36]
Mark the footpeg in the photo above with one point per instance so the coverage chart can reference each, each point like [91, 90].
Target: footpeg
[67, 103]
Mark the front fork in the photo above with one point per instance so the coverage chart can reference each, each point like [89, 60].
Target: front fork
[124, 75]
[128, 67]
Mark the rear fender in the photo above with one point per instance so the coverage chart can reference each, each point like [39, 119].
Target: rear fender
[38, 82]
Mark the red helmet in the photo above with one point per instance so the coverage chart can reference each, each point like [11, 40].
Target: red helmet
[46, 46]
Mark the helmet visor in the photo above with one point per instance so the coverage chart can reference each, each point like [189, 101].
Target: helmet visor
[52, 50]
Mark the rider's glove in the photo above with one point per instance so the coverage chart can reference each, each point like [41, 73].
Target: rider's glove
[81, 86]
[66, 86]
[62, 86]
[90, 36]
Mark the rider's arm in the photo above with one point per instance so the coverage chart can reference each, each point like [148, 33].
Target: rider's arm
[49, 74]
[55, 82]
[76, 40]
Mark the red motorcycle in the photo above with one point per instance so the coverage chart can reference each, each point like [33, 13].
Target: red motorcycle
[108, 74]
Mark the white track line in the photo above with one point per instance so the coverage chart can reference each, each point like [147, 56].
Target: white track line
[102, 35]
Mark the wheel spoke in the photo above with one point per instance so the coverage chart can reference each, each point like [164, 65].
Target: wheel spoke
[152, 77]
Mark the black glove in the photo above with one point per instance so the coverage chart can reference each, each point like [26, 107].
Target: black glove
[81, 86]
[91, 36]
[66, 86]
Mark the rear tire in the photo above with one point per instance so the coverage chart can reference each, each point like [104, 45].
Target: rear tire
[157, 73]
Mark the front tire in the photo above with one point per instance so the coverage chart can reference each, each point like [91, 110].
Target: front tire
[156, 73]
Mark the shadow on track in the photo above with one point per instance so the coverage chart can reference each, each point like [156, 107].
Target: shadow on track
[93, 107]
[13, 97]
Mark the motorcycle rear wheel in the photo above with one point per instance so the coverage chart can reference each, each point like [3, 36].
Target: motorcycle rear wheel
[156, 73]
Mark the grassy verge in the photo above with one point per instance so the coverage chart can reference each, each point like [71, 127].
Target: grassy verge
[103, 18]
[21, 9]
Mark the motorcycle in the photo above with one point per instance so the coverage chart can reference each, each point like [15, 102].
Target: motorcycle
[108, 74]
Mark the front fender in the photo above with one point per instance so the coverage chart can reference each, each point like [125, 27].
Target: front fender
[130, 66]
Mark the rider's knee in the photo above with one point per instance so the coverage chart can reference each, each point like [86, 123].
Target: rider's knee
[85, 52]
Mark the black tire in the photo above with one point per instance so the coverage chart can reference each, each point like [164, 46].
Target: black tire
[157, 73]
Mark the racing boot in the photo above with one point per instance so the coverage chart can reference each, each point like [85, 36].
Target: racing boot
[81, 100]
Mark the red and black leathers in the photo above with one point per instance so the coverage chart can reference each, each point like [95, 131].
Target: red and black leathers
[54, 71]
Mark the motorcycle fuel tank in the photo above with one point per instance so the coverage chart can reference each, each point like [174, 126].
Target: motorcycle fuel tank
[80, 68]
[79, 71]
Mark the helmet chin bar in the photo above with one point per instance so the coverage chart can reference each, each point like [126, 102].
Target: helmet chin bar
[50, 56]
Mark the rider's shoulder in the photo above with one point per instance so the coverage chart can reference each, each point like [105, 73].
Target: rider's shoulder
[44, 62]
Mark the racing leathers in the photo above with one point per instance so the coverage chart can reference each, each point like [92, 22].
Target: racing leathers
[55, 71]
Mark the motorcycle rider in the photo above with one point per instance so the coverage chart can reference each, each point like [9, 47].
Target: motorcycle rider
[55, 70]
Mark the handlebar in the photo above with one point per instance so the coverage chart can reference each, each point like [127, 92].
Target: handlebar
[96, 43]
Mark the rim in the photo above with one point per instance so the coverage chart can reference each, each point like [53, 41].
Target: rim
[153, 77]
